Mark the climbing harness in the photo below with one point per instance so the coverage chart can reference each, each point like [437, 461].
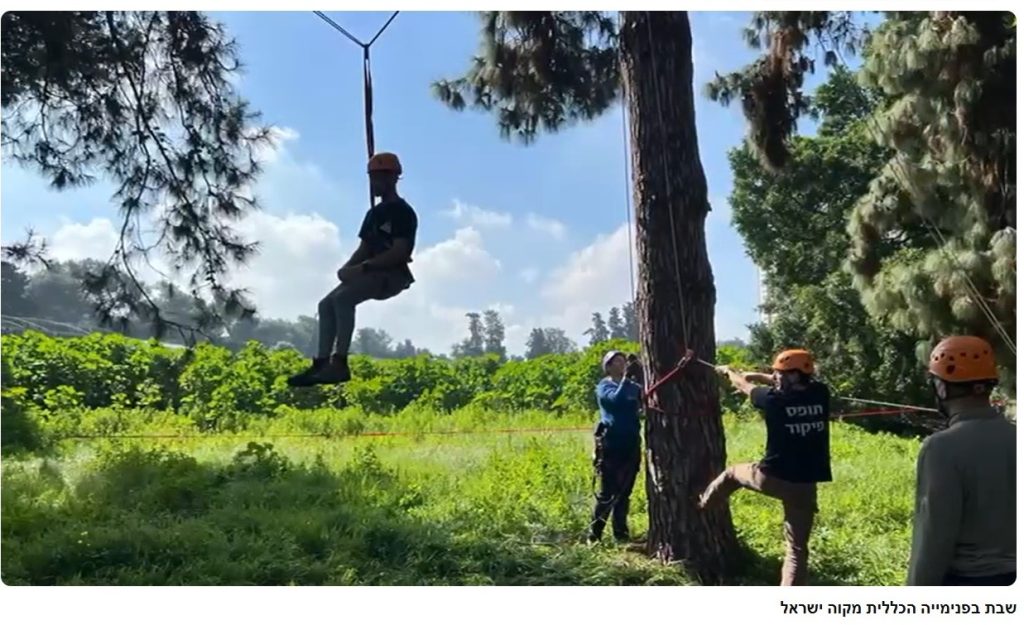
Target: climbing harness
[367, 77]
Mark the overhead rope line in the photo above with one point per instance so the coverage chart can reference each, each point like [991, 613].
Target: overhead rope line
[628, 183]
[629, 212]
[367, 76]
[413, 433]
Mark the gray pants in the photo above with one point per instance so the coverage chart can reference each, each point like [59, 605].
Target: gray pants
[337, 310]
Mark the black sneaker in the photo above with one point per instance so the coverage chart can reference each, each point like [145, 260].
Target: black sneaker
[306, 377]
[334, 372]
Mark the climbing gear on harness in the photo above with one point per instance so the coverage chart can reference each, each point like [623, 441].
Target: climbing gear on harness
[794, 359]
[963, 359]
[384, 161]
[685, 360]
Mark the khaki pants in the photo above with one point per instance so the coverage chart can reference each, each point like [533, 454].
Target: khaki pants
[799, 505]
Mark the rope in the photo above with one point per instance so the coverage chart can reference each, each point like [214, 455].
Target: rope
[174, 436]
[664, 164]
[940, 242]
[627, 186]
[327, 435]
[340, 29]
[858, 400]
[629, 213]
[367, 78]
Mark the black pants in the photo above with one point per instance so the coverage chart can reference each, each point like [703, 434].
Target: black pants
[1005, 579]
[617, 468]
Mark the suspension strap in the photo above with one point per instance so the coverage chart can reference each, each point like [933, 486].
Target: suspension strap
[368, 107]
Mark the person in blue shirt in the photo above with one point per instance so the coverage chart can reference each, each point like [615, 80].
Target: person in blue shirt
[616, 446]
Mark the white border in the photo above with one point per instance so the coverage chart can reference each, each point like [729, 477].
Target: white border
[157, 606]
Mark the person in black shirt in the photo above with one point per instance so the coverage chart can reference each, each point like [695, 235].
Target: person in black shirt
[378, 270]
[797, 454]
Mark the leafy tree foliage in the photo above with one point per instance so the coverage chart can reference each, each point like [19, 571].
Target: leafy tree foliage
[933, 238]
[494, 334]
[142, 99]
[598, 331]
[539, 70]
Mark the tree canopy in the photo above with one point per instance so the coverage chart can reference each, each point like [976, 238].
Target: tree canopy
[933, 238]
[144, 100]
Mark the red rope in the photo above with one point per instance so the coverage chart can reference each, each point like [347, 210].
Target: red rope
[539, 430]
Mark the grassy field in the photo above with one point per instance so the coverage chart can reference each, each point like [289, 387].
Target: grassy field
[478, 508]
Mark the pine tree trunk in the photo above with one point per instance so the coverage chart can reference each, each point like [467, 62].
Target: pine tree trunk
[676, 299]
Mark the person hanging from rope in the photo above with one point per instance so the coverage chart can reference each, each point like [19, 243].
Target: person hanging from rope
[797, 456]
[965, 510]
[616, 447]
[378, 270]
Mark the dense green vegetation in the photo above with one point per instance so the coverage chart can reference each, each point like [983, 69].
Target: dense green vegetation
[51, 384]
[250, 482]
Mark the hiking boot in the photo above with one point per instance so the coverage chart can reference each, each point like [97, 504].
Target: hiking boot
[621, 537]
[306, 377]
[334, 372]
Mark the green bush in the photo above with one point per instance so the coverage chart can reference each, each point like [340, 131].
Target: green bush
[220, 390]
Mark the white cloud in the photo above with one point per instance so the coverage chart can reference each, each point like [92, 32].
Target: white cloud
[461, 257]
[474, 215]
[549, 226]
[529, 275]
[295, 266]
[594, 279]
[73, 241]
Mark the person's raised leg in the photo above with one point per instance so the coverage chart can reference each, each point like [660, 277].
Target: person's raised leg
[729, 481]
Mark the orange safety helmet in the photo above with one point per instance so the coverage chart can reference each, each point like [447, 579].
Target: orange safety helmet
[384, 161]
[794, 359]
[963, 359]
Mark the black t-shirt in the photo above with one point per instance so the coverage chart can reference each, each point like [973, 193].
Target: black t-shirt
[386, 222]
[797, 449]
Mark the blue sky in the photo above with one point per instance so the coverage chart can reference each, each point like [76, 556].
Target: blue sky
[536, 232]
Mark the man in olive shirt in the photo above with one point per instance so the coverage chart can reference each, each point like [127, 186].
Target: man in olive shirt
[965, 514]
[378, 269]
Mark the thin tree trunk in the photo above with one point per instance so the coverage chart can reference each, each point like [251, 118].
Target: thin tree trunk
[676, 299]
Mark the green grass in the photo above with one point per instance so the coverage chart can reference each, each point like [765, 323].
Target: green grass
[479, 508]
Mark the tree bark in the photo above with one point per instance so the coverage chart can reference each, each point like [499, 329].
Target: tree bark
[685, 446]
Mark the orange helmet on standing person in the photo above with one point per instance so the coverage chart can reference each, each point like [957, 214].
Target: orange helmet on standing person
[794, 360]
[963, 359]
